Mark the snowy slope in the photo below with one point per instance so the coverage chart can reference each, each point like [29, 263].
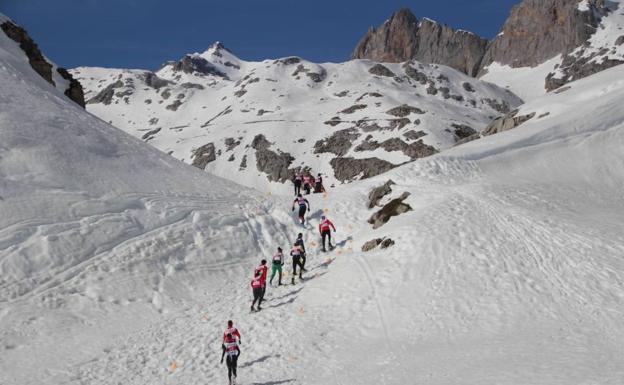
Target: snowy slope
[508, 270]
[119, 264]
[214, 97]
[606, 44]
[100, 234]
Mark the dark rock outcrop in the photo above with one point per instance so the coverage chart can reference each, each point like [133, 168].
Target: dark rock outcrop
[463, 131]
[538, 30]
[404, 110]
[74, 91]
[346, 169]
[106, 95]
[414, 135]
[381, 70]
[404, 37]
[353, 108]
[338, 143]
[578, 67]
[378, 193]
[196, 64]
[204, 155]
[154, 81]
[394, 208]
[414, 150]
[39, 63]
[274, 164]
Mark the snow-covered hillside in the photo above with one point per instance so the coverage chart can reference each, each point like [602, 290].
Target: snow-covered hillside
[121, 265]
[346, 120]
[604, 49]
[100, 234]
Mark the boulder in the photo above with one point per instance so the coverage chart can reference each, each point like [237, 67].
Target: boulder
[506, 122]
[394, 208]
[378, 193]
[372, 244]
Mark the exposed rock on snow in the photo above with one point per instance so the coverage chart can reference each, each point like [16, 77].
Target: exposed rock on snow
[378, 193]
[381, 70]
[414, 135]
[347, 169]
[404, 110]
[204, 155]
[403, 37]
[372, 244]
[414, 150]
[150, 134]
[353, 109]
[463, 131]
[106, 95]
[339, 143]
[74, 91]
[195, 64]
[275, 165]
[507, 122]
[394, 208]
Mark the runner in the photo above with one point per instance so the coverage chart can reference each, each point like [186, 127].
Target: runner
[295, 253]
[231, 348]
[278, 262]
[304, 206]
[324, 229]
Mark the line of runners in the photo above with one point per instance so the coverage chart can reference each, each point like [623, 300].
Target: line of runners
[231, 336]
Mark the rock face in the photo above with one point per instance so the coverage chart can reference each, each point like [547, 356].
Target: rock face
[40, 64]
[538, 30]
[394, 208]
[404, 37]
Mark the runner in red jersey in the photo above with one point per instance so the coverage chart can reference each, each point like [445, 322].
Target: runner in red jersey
[231, 330]
[325, 229]
[257, 288]
[264, 270]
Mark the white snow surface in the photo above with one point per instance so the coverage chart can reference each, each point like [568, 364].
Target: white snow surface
[282, 100]
[120, 265]
[529, 82]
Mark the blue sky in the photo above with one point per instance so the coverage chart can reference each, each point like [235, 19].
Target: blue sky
[146, 33]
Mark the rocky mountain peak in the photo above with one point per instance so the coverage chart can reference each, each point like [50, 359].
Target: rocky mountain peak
[403, 37]
[538, 30]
